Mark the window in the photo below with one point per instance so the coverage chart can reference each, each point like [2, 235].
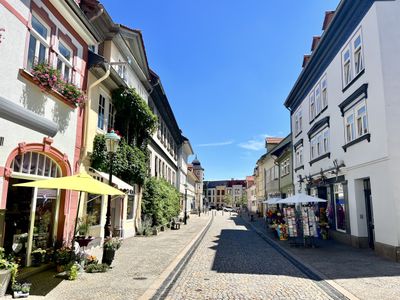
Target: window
[350, 128]
[324, 89]
[312, 106]
[130, 207]
[318, 99]
[39, 42]
[34, 163]
[64, 61]
[121, 70]
[156, 166]
[285, 167]
[358, 57]
[347, 67]
[356, 122]
[362, 126]
[100, 119]
[298, 120]
[111, 115]
[299, 156]
[319, 144]
[93, 208]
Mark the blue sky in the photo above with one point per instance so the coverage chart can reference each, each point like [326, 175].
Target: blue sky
[227, 66]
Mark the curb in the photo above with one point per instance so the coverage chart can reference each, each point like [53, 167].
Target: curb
[163, 283]
[334, 289]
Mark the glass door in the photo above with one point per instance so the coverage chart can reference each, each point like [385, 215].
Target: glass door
[340, 209]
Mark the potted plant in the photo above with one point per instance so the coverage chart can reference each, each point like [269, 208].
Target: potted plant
[63, 257]
[8, 271]
[110, 246]
[21, 289]
[38, 257]
[82, 234]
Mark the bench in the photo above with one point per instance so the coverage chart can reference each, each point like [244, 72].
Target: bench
[175, 224]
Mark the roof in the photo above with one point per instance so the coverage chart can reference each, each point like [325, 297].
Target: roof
[282, 146]
[214, 184]
[273, 140]
[343, 23]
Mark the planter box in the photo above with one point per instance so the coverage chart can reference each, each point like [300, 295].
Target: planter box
[5, 276]
[20, 295]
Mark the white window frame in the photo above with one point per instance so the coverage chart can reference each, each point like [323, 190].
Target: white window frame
[39, 40]
[319, 143]
[358, 50]
[64, 61]
[349, 126]
[354, 116]
[318, 104]
[101, 107]
[298, 121]
[347, 64]
[324, 92]
[111, 115]
[299, 156]
[312, 105]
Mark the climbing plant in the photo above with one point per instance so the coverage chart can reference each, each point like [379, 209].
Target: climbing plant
[134, 118]
[129, 163]
[160, 201]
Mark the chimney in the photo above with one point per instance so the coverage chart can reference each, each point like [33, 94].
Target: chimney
[306, 58]
[328, 19]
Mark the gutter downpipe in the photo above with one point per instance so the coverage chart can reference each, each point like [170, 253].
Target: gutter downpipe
[87, 107]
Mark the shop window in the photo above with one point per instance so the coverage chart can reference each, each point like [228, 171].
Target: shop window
[130, 207]
[34, 163]
[340, 208]
[39, 42]
[93, 208]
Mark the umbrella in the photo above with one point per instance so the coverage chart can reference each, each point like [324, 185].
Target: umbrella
[300, 198]
[81, 182]
[272, 200]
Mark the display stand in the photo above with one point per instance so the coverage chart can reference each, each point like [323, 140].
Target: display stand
[309, 226]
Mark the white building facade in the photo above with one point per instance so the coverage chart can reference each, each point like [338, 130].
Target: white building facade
[344, 115]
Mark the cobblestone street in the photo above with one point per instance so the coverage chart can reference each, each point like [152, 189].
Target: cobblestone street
[233, 262]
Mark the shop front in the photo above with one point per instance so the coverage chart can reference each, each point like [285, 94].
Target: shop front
[32, 215]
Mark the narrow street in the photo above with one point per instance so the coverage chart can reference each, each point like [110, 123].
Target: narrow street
[234, 262]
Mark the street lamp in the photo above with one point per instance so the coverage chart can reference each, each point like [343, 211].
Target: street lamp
[185, 213]
[112, 140]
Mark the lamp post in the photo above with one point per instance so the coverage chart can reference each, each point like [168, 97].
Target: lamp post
[112, 140]
[185, 213]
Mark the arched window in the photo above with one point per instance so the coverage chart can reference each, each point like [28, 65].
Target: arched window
[35, 163]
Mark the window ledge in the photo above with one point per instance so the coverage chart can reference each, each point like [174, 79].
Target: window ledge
[357, 140]
[299, 168]
[320, 113]
[282, 176]
[319, 158]
[353, 80]
[28, 76]
[298, 134]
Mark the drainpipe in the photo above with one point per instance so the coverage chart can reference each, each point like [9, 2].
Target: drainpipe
[88, 104]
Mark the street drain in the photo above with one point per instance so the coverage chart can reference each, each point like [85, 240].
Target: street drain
[198, 290]
[206, 278]
[139, 278]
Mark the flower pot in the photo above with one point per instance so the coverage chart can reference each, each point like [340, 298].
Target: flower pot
[60, 268]
[5, 276]
[20, 294]
[108, 256]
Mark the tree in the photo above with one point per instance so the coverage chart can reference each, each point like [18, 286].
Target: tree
[228, 200]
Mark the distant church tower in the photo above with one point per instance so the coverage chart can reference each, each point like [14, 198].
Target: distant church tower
[199, 172]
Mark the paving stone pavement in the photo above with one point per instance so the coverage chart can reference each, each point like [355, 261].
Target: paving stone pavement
[359, 271]
[233, 262]
[137, 264]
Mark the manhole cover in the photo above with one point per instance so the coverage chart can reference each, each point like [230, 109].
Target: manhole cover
[139, 278]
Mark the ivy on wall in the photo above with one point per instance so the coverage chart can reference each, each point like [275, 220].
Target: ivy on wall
[129, 163]
[133, 119]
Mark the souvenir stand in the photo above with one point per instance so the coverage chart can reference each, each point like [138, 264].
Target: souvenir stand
[301, 219]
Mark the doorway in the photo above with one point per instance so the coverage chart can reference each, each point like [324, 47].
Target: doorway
[370, 213]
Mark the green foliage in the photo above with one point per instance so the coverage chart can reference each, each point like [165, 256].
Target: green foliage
[160, 201]
[9, 264]
[23, 287]
[145, 227]
[134, 119]
[73, 272]
[129, 163]
[113, 243]
[228, 200]
[97, 268]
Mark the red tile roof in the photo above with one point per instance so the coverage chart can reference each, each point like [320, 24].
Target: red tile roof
[306, 59]
[315, 42]
[273, 140]
[328, 18]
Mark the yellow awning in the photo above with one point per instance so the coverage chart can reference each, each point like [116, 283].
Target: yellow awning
[80, 182]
